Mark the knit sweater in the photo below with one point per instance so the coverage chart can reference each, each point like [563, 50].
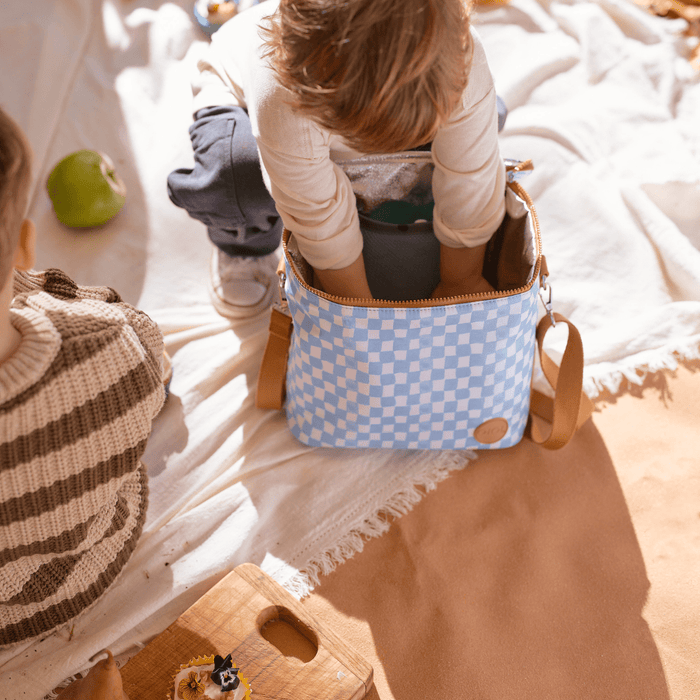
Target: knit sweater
[77, 399]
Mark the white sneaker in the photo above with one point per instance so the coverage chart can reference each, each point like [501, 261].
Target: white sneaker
[243, 287]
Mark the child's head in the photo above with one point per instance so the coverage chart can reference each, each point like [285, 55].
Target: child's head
[383, 74]
[15, 174]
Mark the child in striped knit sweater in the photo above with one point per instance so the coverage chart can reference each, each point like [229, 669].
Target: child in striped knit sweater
[81, 379]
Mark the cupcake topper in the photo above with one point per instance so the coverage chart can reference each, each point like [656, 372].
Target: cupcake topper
[224, 674]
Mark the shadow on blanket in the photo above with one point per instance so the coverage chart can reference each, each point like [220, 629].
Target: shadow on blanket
[536, 591]
[655, 384]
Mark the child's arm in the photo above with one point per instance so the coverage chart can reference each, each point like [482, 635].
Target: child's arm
[461, 272]
[349, 282]
[469, 181]
[312, 195]
[146, 329]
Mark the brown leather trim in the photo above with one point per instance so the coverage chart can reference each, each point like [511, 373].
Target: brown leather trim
[491, 431]
[570, 406]
[273, 370]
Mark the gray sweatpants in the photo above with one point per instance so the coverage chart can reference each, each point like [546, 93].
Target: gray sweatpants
[225, 189]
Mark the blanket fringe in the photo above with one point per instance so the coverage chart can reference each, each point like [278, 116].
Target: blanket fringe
[399, 503]
[637, 368]
[633, 370]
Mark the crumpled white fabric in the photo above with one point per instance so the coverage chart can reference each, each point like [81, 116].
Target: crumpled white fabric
[601, 97]
[604, 101]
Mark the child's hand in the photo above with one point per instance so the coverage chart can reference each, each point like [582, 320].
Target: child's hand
[472, 285]
[461, 272]
[103, 682]
[348, 282]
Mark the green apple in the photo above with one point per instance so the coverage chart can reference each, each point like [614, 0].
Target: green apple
[85, 190]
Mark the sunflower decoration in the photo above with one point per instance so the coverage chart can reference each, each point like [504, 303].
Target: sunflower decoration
[210, 678]
[190, 688]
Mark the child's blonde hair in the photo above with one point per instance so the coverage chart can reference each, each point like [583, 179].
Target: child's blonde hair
[15, 176]
[383, 74]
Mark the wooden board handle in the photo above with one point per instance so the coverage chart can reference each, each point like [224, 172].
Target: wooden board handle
[269, 588]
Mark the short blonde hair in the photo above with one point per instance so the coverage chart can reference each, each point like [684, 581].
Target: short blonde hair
[15, 178]
[382, 74]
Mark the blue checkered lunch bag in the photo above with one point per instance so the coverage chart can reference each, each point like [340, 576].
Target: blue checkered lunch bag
[409, 372]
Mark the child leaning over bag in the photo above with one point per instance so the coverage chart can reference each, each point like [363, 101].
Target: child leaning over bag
[290, 86]
[81, 379]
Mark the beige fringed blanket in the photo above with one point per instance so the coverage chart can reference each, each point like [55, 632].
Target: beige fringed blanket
[602, 99]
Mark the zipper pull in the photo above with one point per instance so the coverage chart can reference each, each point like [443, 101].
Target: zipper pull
[517, 169]
[282, 277]
[546, 291]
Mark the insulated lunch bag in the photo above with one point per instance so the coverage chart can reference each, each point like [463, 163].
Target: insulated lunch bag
[409, 372]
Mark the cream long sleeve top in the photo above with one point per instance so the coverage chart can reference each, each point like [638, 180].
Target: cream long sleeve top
[312, 194]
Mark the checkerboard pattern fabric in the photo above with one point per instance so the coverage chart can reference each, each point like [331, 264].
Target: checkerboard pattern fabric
[410, 378]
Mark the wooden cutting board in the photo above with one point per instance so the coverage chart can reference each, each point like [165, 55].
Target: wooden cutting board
[238, 616]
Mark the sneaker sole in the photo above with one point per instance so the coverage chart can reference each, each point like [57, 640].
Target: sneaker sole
[232, 311]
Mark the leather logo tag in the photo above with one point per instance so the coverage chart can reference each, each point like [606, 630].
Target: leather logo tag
[491, 431]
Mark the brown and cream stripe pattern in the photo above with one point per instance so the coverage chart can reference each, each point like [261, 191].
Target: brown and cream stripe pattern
[77, 401]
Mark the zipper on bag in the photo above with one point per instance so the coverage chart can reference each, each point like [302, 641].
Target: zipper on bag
[513, 169]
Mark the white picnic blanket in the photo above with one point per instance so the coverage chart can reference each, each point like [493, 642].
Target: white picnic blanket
[601, 97]
[604, 101]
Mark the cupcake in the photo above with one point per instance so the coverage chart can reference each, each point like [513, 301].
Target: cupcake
[210, 678]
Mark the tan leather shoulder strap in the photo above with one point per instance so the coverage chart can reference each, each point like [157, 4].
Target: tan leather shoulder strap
[273, 370]
[570, 407]
[565, 413]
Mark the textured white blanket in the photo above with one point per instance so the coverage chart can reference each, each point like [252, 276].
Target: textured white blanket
[601, 98]
[604, 101]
